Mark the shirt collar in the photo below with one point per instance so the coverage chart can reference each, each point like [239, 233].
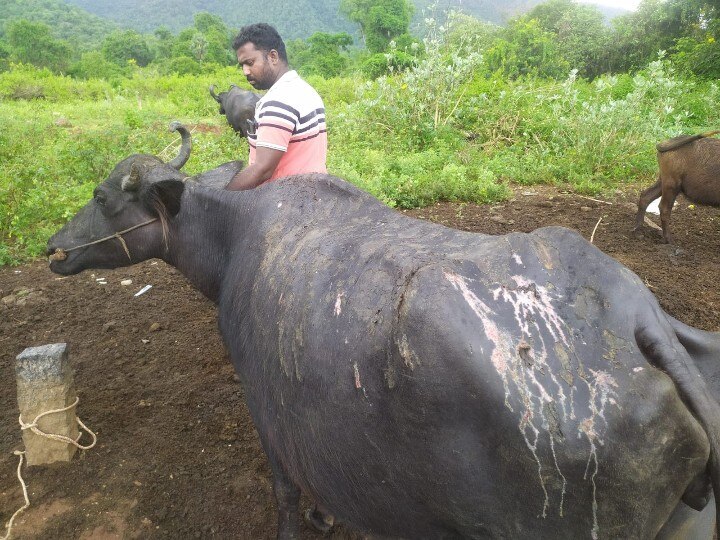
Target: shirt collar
[287, 77]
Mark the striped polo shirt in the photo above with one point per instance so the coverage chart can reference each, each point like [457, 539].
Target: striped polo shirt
[291, 117]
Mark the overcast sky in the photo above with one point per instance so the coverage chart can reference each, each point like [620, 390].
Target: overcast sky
[626, 4]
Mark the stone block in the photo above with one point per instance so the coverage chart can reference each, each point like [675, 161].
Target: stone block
[45, 382]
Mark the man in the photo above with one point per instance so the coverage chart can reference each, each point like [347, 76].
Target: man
[288, 135]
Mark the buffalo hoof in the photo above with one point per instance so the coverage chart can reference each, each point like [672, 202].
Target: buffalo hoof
[317, 521]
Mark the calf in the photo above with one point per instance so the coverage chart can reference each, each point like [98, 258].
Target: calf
[689, 164]
[238, 106]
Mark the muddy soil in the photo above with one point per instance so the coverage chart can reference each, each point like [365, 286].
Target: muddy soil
[177, 455]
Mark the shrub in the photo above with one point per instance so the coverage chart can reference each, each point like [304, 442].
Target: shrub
[184, 65]
[380, 64]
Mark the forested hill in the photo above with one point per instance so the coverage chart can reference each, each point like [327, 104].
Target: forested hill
[294, 19]
[70, 23]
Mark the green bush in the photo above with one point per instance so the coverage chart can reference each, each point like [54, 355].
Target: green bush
[184, 65]
[388, 63]
[445, 129]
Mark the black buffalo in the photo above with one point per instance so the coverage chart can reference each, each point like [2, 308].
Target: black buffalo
[238, 106]
[421, 382]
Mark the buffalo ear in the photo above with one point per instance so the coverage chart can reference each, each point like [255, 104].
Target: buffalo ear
[164, 196]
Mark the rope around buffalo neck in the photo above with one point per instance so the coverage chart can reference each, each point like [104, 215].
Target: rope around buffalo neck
[61, 254]
[32, 426]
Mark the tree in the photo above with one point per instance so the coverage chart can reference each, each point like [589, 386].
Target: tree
[123, 46]
[32, 43]
[526, 49]
[469, 30]
[380, 21]
[208, 41]
[550, 13]
[322, 54]
[93, 65]
[162, 44]
[657, 25]
[583, 39]
[4, 55]
[580, 33]
[199, 46]
[699, 53]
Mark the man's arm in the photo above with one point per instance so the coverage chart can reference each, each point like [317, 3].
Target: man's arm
[266, 161]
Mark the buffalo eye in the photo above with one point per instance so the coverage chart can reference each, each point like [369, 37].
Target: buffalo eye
[100, 198]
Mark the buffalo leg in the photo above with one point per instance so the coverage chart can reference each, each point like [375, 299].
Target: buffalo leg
[669, 194]
[287, 495]
[288, 500]
[646, 197]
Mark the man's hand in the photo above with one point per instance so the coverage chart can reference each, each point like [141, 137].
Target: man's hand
[266, 161]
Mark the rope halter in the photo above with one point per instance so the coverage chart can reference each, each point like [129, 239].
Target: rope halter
[61, 254]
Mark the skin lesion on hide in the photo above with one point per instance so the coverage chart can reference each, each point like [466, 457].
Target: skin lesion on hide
[406, 353]
[546, 400]
[545, 255]
[290, 349]
[338, 303]
[562, 355]
[614, 345]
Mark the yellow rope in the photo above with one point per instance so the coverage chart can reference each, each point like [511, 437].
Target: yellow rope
[32, 426]
[25, 494]
[61, 438]
[61, 254]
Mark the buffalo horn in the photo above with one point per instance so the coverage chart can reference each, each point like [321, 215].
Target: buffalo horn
[132, 181]
[185, 148]
[212, 93]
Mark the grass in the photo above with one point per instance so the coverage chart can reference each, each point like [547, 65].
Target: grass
[465, 137]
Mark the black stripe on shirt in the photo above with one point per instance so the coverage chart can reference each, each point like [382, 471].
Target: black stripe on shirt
[312, 115]
[311, 126]
[263, 124]
[276, 114]
[310, 137]
[281, 105]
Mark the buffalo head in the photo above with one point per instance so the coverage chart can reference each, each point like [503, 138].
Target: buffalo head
[125, 221]
[237, 105]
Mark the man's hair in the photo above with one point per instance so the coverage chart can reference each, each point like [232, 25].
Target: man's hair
[263, 36]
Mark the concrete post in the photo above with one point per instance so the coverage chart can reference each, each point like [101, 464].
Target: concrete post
[45, 382]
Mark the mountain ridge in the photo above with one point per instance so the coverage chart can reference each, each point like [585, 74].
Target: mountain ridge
[316, 15]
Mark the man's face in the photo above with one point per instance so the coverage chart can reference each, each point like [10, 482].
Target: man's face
[259, 67]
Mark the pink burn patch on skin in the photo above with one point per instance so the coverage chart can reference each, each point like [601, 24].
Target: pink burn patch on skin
[338, 304]
[602, 394]
[510, 370]
[530, 302]
[356, 371]
[525, 370]
[500, 353]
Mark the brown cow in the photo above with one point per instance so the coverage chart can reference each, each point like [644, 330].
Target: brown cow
[689, 164]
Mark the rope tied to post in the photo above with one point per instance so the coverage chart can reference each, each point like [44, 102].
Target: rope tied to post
[33, 426]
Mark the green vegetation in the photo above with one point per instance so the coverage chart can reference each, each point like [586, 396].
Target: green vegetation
[69, 23]
[296, 19]
[457, 116]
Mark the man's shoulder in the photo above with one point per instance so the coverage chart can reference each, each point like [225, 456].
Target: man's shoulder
[294, 93]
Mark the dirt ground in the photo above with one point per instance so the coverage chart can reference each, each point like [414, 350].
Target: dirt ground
[177, 455]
